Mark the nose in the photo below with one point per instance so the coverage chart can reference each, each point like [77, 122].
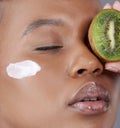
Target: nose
[83, 62]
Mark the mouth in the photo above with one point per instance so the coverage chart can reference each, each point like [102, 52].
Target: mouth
[92, 99]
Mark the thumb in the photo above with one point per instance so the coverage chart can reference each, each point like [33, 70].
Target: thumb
[113, 66]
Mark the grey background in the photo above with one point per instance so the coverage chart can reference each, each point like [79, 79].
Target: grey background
[117, 125]
[108, 1]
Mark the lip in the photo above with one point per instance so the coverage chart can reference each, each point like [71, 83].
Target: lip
[92, 99]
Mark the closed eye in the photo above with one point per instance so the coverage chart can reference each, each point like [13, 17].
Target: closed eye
[45, 48]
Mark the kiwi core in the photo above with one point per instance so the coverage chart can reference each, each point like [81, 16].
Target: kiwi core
[111, 34]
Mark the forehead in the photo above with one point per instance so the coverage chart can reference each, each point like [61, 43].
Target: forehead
[30, 9]
[50, 6]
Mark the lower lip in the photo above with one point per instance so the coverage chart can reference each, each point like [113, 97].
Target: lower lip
[90, 107]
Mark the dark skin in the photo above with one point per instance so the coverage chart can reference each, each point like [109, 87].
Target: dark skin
[41, 101]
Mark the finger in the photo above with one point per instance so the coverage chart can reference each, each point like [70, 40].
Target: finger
[107, 6]
[116, 5]
[113, 66]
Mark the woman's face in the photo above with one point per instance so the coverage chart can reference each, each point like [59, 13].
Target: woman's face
[72, 90]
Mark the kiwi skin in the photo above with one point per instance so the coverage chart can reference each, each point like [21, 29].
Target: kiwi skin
[92, 33]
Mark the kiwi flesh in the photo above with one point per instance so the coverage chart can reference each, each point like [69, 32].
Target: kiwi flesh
[104, 35]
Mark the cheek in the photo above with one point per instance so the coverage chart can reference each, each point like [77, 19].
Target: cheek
[23, 69]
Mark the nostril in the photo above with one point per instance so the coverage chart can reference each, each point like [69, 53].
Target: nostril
[97, 71]
[81, 71]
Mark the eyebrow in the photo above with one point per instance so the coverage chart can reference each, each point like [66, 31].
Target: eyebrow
[41, 22]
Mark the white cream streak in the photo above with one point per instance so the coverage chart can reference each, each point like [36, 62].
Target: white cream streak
[23, 69]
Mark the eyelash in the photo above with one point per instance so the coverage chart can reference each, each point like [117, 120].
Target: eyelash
[46, 48]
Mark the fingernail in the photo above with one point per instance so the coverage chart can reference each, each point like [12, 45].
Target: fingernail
[107, 6]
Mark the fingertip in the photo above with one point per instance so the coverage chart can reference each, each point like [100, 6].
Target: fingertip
[107, 6]
[116, 2]
[116, 5]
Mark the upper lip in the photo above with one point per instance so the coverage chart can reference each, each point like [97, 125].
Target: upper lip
[91, 91]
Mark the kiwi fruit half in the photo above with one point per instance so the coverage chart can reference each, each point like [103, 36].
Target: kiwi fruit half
[104, 35]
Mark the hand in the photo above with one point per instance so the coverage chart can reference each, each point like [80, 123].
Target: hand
[113, 66]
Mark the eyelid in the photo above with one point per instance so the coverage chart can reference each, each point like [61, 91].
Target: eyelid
[45, 48]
